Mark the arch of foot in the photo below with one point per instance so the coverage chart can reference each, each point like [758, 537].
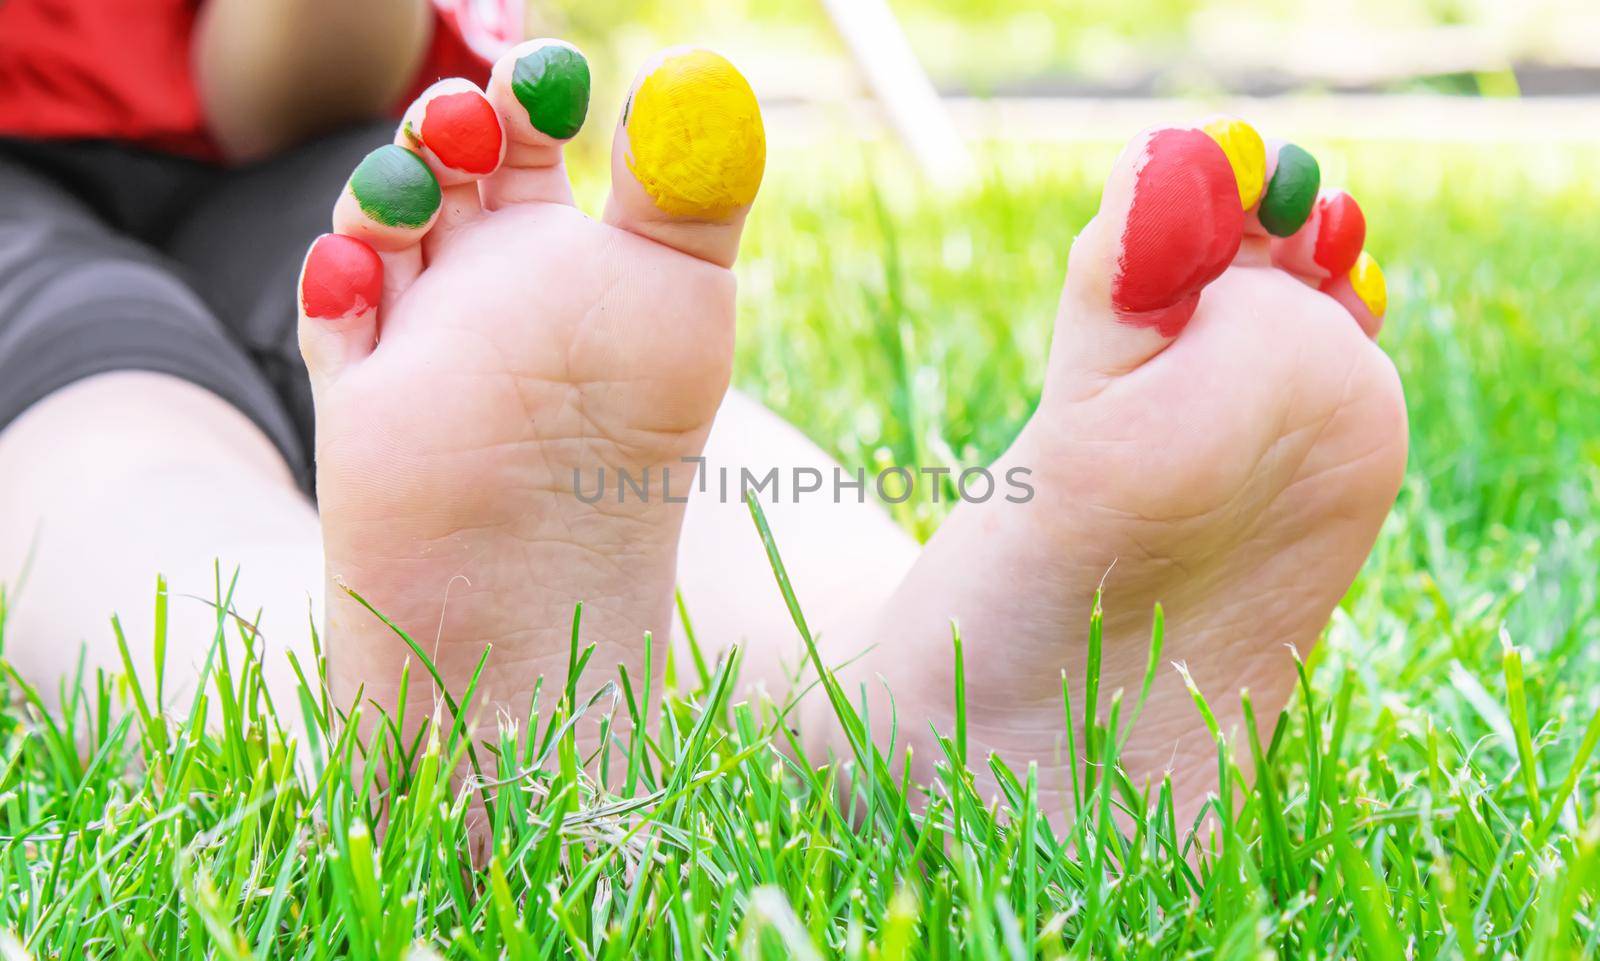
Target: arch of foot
[1316, 234]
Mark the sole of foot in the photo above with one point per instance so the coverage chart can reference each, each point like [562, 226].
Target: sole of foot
[484, 357]
[1219, 434]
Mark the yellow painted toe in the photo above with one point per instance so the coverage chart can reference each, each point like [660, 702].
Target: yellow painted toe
[696, 143]
[1246, 153]
[1366, 278]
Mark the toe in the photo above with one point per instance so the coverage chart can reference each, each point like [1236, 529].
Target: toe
[1277, 182]
[1170, 222]
[1252, 163]
[457, 133]
[341, 285]
[1363, 291]
[1292, 180]
[1328, 243]
[540, 89]
[1180, 229]
[1246, 153]
[455, 130]
[390, 201]
[688, 155]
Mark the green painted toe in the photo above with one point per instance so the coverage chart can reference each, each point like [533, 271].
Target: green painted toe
[395, 187]
[552, 84]
[1291, 192]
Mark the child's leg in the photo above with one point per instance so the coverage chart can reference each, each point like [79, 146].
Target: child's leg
[124, 475]
[135, 438]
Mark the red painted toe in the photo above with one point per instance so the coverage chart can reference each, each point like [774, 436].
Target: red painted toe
[1328, 244]
[1341, 234]
[342, 277]
[1184, 227]
[463, 131]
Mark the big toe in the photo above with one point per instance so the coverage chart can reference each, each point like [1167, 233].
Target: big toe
[1170, 222]
[688, 155]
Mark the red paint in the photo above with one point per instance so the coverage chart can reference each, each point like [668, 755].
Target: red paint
[1341, 233]
[342, 278]
[463, 132]
[1184, 228]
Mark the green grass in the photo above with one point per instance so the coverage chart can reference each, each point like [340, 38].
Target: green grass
[1433, 792]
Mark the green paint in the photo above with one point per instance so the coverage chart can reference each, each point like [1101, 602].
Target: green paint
[552, 84]
[394, 187]
[1291, 193]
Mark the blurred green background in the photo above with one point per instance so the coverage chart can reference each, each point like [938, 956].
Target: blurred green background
[1140, 46]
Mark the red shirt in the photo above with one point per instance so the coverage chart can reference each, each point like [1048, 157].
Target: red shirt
[121, 69]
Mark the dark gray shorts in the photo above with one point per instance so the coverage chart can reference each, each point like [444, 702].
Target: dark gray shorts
[117, 259]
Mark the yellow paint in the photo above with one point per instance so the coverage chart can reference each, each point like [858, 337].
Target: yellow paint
[1246, 153]
[1366, 278]
[695, 138]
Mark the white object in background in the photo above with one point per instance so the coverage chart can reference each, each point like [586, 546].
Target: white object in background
[902, 88]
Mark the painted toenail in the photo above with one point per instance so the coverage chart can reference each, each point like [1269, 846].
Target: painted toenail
[696, 142]
[395, 187]
[1291, 192]
[463, 131]
[1184, 228]
[343, 277]
[1366, 278]
[552, 84]
[1341, 232]
[1247, 155]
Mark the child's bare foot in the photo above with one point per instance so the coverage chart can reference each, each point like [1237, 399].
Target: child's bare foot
[477, 344]
[1215, 435]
